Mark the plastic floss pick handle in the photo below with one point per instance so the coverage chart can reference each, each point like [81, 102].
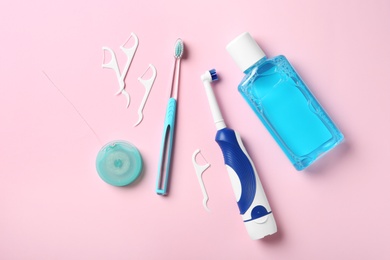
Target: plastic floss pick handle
[113, 64]
[199, 169]
[147, 83]
[251, 199]
[130, 52]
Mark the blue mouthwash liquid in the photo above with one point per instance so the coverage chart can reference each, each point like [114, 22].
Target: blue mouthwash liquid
[284, 104]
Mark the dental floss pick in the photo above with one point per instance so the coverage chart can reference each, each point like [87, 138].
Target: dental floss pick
[113, 64]
[147, 83]
[199, 169]
[130, 52]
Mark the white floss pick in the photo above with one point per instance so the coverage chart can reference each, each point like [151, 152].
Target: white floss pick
[147, 83]
[113, 64]
[199, 169]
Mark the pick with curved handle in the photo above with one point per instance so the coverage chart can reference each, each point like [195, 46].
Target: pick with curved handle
[148, 83]
[166, 148]
[130, 52]
[113, 64]
[199, 169]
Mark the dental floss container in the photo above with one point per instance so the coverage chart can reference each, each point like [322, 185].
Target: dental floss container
[119, 163]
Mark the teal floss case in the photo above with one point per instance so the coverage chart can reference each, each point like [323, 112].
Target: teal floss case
[284, 104]
[119, 163]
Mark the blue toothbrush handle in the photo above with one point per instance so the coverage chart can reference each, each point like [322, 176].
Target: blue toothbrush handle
[251, 199]
[166, 148]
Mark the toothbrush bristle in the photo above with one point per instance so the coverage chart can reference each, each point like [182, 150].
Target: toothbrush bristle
[179, 48]
[213, 74]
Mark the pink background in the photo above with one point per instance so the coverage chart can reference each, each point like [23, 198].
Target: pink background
[53, 205]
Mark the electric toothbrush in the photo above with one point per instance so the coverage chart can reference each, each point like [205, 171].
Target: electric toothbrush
[251, 199]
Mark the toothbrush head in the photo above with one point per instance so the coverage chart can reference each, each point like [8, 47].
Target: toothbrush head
[210, 76]
[213, 74]
[179, 49]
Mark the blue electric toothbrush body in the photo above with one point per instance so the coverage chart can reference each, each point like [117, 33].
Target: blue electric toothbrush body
[251, 199]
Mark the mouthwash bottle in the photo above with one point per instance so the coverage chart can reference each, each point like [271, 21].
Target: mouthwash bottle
[283, 103]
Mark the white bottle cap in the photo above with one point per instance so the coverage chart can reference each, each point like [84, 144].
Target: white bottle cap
[245, 51]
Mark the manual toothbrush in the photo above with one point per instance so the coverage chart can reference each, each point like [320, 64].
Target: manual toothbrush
[169, 125]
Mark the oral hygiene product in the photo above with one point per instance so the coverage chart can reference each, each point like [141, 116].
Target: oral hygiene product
[251, 199]
[113, 64]
[164, 166]
[119, 163]
[148, 83]
[283, 103]
[199, 169]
